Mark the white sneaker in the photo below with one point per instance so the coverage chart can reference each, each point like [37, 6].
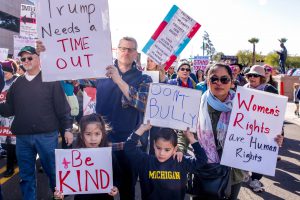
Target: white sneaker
[256, 186]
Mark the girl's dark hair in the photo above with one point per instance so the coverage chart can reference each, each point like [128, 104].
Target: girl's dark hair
[166, 134]
[89, 119]
[213, 68]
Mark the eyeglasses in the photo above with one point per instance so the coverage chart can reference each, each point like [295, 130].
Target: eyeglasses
[252, 75]
[130, 50]
[28, 58]
[268, 69]
[223, 79]
[185, 69]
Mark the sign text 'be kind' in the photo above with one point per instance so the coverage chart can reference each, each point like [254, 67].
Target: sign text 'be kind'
[77, 38]
[84, 171]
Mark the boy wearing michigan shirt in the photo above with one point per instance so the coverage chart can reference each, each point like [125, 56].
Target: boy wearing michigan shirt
[162, 176]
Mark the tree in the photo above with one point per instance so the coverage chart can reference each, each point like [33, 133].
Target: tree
[244, 57]
[217, 56]
[282, 40]
[272, 59]
[253, 41]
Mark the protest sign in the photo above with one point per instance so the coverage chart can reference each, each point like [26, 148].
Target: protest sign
[172, 106]
[89, 100]
[28, 21]
[171, 37]
[153, 74]
[3, 54]
[200, 62]
[20, 42]
[256, 119]
[84, 171]
[76, 49]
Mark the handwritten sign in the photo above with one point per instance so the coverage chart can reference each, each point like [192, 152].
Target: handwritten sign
[89, 100]
[28, 21]
[172, 106]
[76, 34]
[84, 171]
[3, 54]
[171, 37]
[256, 119]
[20, 42]
[200, 62]
[153, 74]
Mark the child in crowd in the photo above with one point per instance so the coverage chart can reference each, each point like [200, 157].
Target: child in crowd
[161, 175]
[92, 135]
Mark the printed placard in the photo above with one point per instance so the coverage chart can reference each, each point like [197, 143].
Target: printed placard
[200, 62]
[84, 171]
[89, 100]
[171, 37]
[20, 42]
[172, 106]
[3, 54]
[75, 49]
[28, 21]
[256, 119]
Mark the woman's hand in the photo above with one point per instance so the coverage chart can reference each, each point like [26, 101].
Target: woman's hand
[58, 194]
[143, 128]
[114, 191]
[189, 136]
[178, 155]
[279, 140]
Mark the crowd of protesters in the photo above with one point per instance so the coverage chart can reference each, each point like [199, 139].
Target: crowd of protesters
[137, 148]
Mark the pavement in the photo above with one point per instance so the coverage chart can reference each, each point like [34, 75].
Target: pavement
[286, 182]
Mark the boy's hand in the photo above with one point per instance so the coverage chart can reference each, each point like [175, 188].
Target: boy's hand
[189, 136]
[143, 128]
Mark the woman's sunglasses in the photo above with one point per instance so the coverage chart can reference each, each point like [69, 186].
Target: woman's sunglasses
[185, 69]
[268, 69]
[28, 58]
[223, 79]
[252, 75]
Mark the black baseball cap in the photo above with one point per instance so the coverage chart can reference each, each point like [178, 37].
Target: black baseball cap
[28, 49]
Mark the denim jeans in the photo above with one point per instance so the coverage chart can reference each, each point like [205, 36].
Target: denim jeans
[27, 148]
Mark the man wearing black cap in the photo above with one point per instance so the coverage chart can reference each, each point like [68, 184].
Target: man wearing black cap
[39, 108]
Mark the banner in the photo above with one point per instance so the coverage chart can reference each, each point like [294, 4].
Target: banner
[256, 119]
[84, 171]
[200, 62]
[77, 38]
[171, 37]
[28, 21]
[3, 54]
[89, 100]
[172, 106]
[20, 42]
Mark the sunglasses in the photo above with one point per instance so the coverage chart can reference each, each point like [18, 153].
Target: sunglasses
[252, 75]
[268, 69]
[185, 69]
[223, 79]
[28, 58]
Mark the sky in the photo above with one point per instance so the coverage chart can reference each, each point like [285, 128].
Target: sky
[229, 23]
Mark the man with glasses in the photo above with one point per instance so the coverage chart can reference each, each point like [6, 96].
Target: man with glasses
[120, 100]
[39, 108]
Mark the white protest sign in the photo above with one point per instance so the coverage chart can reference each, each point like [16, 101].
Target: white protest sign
[84, 171]
[3, 54]
[171, 37]
[28, 21]
[172, 106]
[256, 119]
[76, 35]
[20, 42]
[200, 62]
[153, 74]
[89, 100]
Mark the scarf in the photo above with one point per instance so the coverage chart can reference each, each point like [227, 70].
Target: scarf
[204, 127]
[190, 83]
[260, 87]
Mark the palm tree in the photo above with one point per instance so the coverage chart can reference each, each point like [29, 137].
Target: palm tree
[253, 41]
[282, 40]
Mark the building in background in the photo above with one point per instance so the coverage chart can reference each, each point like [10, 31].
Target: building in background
[10, 22]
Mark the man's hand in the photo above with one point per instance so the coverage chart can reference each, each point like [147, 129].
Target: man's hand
[40, 47]
[143, 128]
[113, 73]
[68, 138]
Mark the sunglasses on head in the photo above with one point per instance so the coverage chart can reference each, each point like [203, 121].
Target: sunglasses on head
[223, 79]
[28, 58]
[252, 75]
[185, 69]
